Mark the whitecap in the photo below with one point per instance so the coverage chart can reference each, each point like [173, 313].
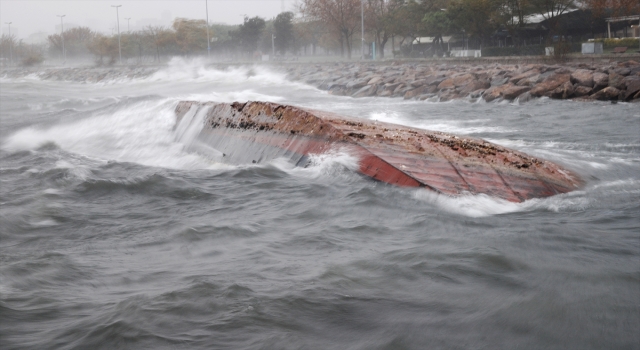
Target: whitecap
[482, 205]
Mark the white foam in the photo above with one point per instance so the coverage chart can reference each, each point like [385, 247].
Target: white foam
[142, 133]
[52, 191]
[449, 126]
[481, 205]
[44, 223]
[332, 164]
[233, 96]
[196, 71]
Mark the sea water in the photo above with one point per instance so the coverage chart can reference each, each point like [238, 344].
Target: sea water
[116, 233]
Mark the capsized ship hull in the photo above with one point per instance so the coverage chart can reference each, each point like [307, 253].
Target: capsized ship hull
[255, 132]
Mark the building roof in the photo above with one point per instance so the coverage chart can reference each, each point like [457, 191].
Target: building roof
[429, 39]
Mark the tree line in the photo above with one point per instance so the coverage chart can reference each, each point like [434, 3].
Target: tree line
[478, 20]
[333, 25]
[185, 37]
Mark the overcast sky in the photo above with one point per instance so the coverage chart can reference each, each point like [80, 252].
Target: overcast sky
[31, 16]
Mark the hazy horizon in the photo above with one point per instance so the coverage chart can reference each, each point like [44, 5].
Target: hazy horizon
[30, 17]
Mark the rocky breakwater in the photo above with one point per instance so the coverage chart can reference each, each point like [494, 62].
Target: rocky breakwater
[442, 82]
[81, 74]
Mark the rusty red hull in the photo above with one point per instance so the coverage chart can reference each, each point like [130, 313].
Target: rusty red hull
[261, 131]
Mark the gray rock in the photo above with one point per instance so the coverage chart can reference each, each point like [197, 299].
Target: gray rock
[633, 86]
[606, 94]
[499, 81]
[600, 81]
[580, 91]
[617, 81]
[582, 77]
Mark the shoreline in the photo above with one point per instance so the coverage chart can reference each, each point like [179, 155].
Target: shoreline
[433, 80]
[610, 81]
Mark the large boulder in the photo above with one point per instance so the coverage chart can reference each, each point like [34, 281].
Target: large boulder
[356, 84]
[582, 77]
[499, 80]
[398, 88]
[375, 80]
[528, 74]
[580, 91]
[463, 79]
[616, 80]
[391, 86]
[563, 91]
[413, 93]
[365, 91]
[446, 84]
[496, 92]
[633, 86]
[385, 93]
[526, 97]
[512, 92]
[472, 86]
[338, 90]
[546, 87]
[529, 81]
[434, 80]
[447, 95]
[606, 94]
[600, 80]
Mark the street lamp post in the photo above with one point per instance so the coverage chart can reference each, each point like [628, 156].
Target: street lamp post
[362, 27]
[464, 41]
[273, 46]
[206, 5]
[64, 54]
[128, 28]
[118, 20]
[10, 43]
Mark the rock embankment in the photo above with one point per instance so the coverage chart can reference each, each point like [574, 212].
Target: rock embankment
[442, 82]
[82, 74]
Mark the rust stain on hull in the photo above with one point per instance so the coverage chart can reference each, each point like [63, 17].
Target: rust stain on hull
[399, 155]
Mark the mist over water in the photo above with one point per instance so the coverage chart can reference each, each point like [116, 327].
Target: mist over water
[119, 230]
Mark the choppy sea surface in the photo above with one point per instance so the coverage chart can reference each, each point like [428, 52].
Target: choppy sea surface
[114, 234]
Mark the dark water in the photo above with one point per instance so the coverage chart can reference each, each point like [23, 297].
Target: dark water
[114, 234]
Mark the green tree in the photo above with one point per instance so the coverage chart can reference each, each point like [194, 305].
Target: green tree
[103, 47]
[309, 33]
[437, 23]
[76, 41]
[160, 38]
[248, 34]
[475, 17]
[406, 20]
[283, 26]
[379, 19]
[30, 54]
[342, 16]
[7, 47]
[190, 34]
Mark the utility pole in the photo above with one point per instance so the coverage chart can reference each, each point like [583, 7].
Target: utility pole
[118, 20]
[282, 6]
[128, 28]
[206, 4]
[273, 46]
[64, 54]
[10, 43]
[362, 25]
